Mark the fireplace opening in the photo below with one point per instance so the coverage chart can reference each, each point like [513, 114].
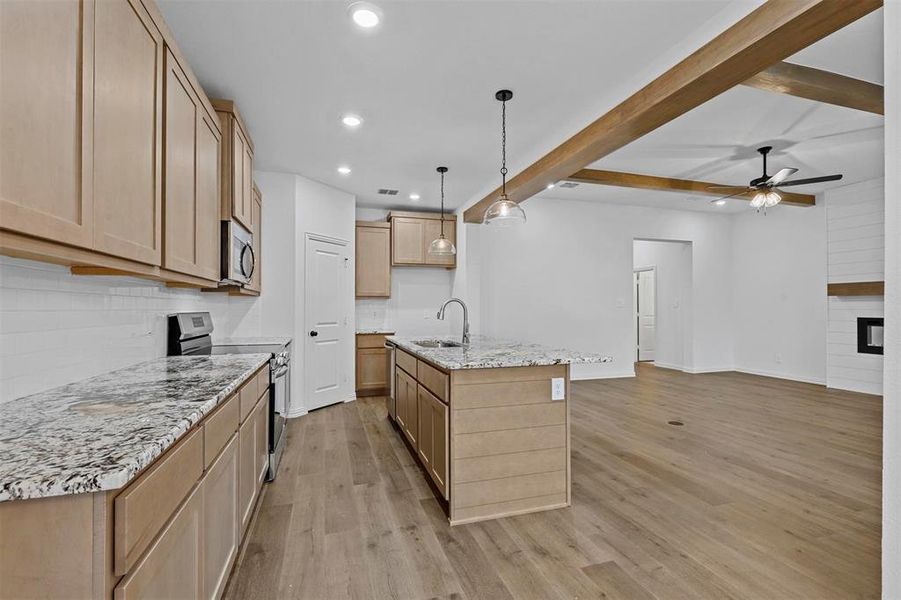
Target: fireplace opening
[870, 335]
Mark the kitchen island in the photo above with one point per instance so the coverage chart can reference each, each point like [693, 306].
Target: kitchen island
[488, 422]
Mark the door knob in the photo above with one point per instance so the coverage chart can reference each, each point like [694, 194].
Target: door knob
[314, 333]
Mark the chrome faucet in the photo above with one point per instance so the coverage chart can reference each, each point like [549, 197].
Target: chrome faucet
[465, 317]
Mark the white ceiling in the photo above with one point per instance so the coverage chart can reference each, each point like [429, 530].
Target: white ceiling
[424, 83]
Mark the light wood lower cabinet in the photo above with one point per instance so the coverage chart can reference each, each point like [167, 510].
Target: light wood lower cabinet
[252, 459]
[172, 566]
[372, 367]
[407, 409]
[432, 447]
[221, 535]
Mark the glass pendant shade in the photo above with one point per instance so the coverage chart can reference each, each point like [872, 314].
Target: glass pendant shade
[504, 213]
[765, 200]
[441, 246]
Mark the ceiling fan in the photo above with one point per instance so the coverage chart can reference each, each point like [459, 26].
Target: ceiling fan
[766, 186]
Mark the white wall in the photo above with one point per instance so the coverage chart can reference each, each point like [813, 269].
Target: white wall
[673, 287]
[301, 206]
[565, 279]
[891, 414]
[855, 225]
[416, 295]
[56, 328]
[779, 286]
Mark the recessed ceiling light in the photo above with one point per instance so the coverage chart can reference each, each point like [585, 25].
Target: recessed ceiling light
[352, 120]
[364, 14]
[414, 197]
[550, 186]
[720, 203]
[344, 170]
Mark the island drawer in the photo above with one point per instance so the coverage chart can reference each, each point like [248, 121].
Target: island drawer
[434, 380]
[405, 361]
[144, 506]
[219, 427]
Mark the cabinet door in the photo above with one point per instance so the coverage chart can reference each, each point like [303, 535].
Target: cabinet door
[242, 177]
[432, 229]
[439, 421]
[372, 368]
[261, 439]
[424, 408]
[221, 535]
[127, 159]
[180, 190]
[172, 568]
[400, 391]
[407, 236]
[247, 471]
[46, 111]
[373, 268]
[256, 218]
[411, 414]
[207, 229]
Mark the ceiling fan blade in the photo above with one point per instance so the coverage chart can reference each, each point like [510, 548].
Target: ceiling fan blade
[811, 180]
[781, 176]
[741, 193]
[727, 187]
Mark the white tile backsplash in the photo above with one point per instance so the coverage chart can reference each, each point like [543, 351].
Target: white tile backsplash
[56, 327]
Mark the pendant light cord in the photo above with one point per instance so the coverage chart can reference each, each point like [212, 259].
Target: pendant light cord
[442, 204]
[503, 149]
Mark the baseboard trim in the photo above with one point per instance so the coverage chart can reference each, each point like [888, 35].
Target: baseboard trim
[785, 376]
[592, 377]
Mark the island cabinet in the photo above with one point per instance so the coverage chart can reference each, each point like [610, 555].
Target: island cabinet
[413, 232]
[237, 165]
[373, 264]
[172, 532]
[88, 89]
[491, 441]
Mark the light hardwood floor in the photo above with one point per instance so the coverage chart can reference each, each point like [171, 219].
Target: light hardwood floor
[769, 490]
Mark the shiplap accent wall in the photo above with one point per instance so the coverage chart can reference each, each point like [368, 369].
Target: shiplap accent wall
[855, 232]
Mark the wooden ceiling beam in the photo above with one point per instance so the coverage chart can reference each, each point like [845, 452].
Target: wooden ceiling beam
[821, 86]
[770, 33]
[669, 184]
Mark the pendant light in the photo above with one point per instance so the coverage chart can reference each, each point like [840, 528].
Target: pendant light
[441, 246]
[504, 212]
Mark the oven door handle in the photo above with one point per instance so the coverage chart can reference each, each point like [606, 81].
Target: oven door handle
[280, 372]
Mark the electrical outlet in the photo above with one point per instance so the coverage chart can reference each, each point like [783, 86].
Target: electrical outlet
[558, 388]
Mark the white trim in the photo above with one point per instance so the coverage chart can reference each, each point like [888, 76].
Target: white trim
[702, 370]
[325, 238]
[786, 376]
[593, 376]
[664, 365]
[298, 412]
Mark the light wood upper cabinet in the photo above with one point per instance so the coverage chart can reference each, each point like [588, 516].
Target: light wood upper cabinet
[127, 157]
[236, 164]
[46, 100]
[256, 219]
[373, 260]
[413, 232]
[191, 192]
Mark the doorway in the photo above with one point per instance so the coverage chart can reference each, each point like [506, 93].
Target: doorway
[645, 313]
[325, 319]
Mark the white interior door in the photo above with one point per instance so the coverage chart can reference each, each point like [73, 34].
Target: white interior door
[646, 313]
[326, 323]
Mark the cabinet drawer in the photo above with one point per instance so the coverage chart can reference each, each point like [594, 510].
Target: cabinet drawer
[145, 505]
[406, 362]
[434, 380]
[370, 340]
[255, 387]
[219, 427]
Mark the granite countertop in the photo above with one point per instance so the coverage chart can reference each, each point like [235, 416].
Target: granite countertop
[253, 341]
[487, 353]
[96, 434]
[375, 331]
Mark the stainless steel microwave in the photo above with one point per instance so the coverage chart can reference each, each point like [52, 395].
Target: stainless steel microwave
[238, 260]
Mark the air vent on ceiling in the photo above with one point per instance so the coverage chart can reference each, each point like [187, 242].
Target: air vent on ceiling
[567, 184]
[387, 192]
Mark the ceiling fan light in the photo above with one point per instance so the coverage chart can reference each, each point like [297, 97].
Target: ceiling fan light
[771, 199]
[504, 213]
[758, 200]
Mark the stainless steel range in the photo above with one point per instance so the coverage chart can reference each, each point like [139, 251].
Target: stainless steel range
[190, 334]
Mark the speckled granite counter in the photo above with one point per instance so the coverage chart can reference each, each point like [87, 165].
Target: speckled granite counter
[96, 434]
[488, 353]
[253, 341]
[375, 332]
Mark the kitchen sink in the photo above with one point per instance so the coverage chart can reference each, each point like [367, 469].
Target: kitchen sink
[437, 344]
